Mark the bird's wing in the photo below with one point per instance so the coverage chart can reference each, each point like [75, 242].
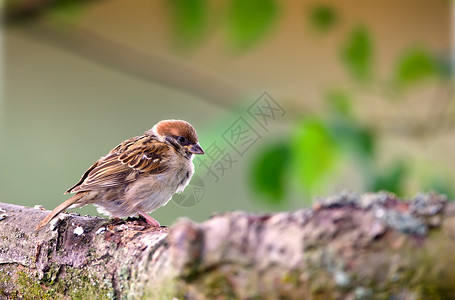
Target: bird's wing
[125, 163]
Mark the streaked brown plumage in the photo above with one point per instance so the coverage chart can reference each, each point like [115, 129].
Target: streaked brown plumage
[139, 175]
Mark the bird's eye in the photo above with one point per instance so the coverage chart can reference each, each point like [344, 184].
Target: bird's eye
[181, 139]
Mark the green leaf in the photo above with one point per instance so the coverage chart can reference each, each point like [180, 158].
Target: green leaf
[358, 140]
[268, 173]
[354, 137]
[189, 21]
[66, 11]
[339, 102]
[314, 152]
[415, 65]
[357, 54]
[391, 180]
[323, 17]
[250, 20]
[442, 185]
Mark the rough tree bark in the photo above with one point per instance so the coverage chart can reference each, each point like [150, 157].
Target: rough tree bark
[371, 246]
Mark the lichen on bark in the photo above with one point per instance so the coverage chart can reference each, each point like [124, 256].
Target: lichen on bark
[347, 246]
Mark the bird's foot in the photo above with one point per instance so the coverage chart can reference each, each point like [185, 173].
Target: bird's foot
[148, 219]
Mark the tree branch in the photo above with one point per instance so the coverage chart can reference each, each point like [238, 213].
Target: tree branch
[346, 246]
[152, 67]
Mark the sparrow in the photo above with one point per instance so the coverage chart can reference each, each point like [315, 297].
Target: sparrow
[138, 176]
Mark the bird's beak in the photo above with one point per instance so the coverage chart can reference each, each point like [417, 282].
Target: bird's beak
[195, 149]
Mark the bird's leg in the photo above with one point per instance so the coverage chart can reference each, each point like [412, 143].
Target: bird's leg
[149, 219]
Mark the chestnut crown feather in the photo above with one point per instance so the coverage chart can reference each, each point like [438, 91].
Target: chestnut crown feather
[175, 128]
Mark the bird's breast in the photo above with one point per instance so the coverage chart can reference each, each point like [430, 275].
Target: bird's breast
[150, 192]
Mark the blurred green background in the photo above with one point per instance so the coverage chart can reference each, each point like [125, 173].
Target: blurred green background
[364, 90]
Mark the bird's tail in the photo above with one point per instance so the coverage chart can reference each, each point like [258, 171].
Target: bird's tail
[59, 209]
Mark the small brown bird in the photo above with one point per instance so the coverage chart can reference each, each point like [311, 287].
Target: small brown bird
[138, 176]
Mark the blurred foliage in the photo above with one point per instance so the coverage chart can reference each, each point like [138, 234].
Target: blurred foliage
[269, 173]
[190, 21]
[63, 11]
[250, 20]
[321, 142]
[392, 179]
[247, 21]
[318, 143]
[66, 11]
[323, 17]
[357, 54]
[339, 102]
[314, 152]
[349, 133]
[441, 184]
[415, 65]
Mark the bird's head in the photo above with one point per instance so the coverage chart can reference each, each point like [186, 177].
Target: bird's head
[180, 134]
